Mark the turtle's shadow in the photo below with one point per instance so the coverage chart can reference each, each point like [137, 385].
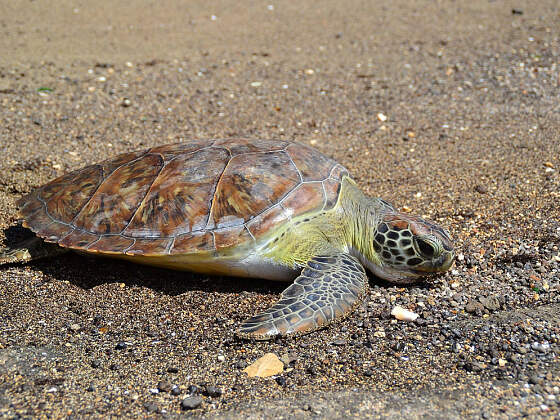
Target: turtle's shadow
[88, 272]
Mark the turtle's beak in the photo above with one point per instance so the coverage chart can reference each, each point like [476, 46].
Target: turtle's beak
[443, 262]
[437, 265]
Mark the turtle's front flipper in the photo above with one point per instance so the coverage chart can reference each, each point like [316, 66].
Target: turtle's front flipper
[328, 289]
[30, 249]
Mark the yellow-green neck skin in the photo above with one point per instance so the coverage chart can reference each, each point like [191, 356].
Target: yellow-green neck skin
[347, 227]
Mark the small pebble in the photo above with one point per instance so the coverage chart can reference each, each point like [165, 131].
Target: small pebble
[481, 189]
[535, 379]
[150, 407]
[473, 306]
[280, 380]
[213, 391]
[121, 346]
[164, 386]
[190, 403]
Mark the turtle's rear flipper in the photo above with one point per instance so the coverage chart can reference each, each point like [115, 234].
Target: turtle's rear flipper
[28, 250]
[327, 290]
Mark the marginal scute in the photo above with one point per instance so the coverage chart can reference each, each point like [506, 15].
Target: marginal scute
[29, 204]
[37, 220]
[53, 231]
[112, 244]
[265, 222]
[115, 201]
[338, 172]
[149, 247]
[225, 238]
[193, 242]
[78, 239]
[305, 198]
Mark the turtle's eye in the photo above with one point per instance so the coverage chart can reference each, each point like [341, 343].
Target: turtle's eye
[426, 248]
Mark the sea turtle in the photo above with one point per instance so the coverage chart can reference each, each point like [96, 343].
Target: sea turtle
[251, 208]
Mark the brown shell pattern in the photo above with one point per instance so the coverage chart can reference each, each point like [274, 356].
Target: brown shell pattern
[201, 196]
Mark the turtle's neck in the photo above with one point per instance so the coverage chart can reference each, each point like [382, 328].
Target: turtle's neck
[360, 216]
[347, 227]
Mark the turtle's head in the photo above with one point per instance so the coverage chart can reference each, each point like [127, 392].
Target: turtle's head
[409, 247]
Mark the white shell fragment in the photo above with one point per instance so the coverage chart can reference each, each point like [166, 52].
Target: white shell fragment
[403, 314]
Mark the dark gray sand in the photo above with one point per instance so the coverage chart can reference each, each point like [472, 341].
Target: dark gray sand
[448, 108]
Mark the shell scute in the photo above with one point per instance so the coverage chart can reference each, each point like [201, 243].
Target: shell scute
[265, 222]
[243, 146]
[305, 198]
[250, 184]
[115, 201]
[112, 244]
[312, 165]
[78, 239]
[149, 246]
[179, 197]
[110, 165]
[225, 238]
[65, 196]
[170, 151]
[193, 242]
